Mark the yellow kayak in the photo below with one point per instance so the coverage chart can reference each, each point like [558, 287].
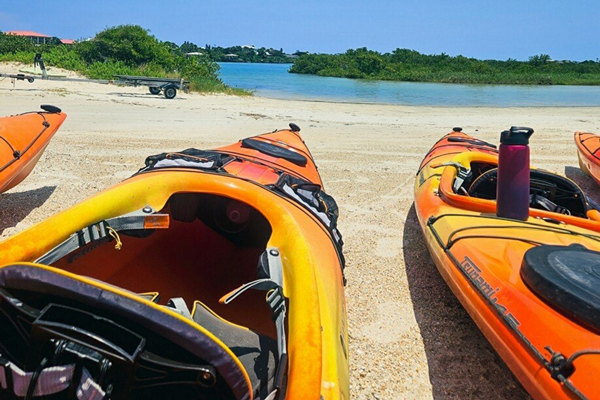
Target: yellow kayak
[207, 275]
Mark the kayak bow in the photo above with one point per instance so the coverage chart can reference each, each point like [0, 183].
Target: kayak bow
[23, 139]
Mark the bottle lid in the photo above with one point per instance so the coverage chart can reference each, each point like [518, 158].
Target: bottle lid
[516, 135]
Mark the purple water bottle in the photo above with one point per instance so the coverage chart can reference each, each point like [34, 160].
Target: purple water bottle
[513, 174]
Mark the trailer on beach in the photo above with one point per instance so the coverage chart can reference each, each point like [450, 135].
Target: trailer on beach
[167, 86]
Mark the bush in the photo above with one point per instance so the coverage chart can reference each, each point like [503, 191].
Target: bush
[129, 44]
[206, 85]
[15, 44]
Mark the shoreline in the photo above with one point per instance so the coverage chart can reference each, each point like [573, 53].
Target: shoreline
[418, 105]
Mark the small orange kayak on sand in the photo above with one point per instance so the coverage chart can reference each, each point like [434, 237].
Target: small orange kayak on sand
[23, 139]
[209, 274]
[533, 286]
[588, 153]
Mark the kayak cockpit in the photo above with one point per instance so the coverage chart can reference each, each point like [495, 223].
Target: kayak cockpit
[146, 300]
[548, 191]
[469, 182]
[212, 245]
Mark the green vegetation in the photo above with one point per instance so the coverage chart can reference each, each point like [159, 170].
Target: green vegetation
[412, 66]
[248, 54]
[216, 86]
[122, 50]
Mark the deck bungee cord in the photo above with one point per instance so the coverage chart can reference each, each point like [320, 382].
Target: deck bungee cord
[17, 154]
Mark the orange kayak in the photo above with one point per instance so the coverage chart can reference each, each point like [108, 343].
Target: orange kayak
[23, 139]
[588, 146]
[532, 287]
[208, 274]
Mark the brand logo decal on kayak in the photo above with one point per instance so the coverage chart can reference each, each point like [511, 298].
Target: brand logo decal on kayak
[474, 273]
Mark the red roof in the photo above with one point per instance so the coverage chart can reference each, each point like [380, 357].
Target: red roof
[67, 41]
[27, 33]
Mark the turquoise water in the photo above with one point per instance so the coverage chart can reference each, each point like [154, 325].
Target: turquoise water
[273, 80]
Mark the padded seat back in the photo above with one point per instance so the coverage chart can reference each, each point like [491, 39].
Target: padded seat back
[257, 352]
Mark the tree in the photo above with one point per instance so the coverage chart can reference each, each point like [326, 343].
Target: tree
[189, 47]
[538, 60]
[368, 62]
[13, 43]
[171, 45]
[130, 44]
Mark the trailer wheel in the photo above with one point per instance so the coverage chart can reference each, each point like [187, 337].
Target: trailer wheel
[170, 92]
[154, 90]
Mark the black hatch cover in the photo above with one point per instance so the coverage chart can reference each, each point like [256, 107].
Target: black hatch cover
[568, 278]
[275, 151]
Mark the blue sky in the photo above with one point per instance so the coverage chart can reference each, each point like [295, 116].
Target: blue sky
[497, 29]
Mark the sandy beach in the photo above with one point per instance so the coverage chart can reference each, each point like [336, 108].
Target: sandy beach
[409, 336]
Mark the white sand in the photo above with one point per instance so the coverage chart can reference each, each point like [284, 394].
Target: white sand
[410, 338]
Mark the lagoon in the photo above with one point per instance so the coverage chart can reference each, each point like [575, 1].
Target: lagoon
[273, 81]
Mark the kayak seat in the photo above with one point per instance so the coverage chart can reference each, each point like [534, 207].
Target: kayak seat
[548, 192]
[151, 353]
[567, 278]
[184, 206]
[256, 352]
[253, 230]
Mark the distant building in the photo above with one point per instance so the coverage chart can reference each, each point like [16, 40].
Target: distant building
[193, 53]
[291, 56]
[38, 38]
[231, 55]
[248, 46]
